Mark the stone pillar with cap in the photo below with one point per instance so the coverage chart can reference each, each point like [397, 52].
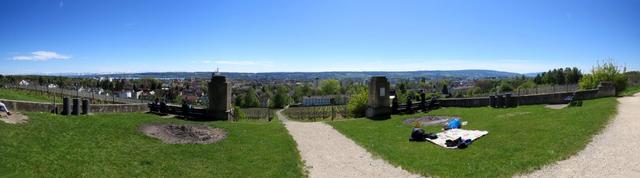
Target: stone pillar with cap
[378, 106]
[219, 98]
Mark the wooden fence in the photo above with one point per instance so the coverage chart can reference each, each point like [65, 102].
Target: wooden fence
[313, 113]
[76, 93]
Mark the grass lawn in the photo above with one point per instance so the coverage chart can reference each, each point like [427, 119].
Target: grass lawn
[630, 91]
[520, 139]
[22, 95]
[109, 145]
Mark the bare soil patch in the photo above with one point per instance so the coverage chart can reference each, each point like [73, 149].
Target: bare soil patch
[556, 106]
[427, 120]
[512, 114]
[14, 118]
[183, 133]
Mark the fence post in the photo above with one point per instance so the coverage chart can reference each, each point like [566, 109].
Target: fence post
[409, 107]
[394, 105]
[423, 102]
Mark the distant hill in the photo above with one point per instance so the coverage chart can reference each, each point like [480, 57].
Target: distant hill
[434, 74]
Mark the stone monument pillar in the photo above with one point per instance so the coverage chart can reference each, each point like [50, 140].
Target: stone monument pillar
[378, 100]
[219, 98]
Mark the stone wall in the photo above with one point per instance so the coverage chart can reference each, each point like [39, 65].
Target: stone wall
[465, 102]
[604, 90]
[26, 106]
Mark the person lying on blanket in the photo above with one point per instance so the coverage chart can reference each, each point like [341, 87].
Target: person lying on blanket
[454, 123]
[3, 108]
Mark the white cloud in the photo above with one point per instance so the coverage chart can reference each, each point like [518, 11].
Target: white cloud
[41, 56]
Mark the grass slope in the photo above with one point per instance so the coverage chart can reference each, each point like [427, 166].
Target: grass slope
[23, 95]
[109, 145]
[520, 139]
[630, 91]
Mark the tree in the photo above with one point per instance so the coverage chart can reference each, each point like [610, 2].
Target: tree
[238, 100]
[633, 77]
[538, 79]
[2, 81]
[485, 85]
[473, 91]
[204, 86]
[281, 98]
[250, 99]
[357, 105]
[41, 80]
[505, 86]
[527, 84]
[559, 76]
[307, 90]
[605, 72]
[445, 90]
[299, 93]
[330, 87]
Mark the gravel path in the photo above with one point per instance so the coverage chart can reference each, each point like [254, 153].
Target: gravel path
[327, 153]
[613, 153]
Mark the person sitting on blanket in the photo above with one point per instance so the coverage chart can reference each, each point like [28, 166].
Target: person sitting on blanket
[3, 108]
[418, 134]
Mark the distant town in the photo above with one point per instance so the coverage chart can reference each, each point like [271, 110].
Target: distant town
[299, 89]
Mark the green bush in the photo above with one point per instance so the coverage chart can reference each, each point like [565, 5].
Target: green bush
[473, 91]
[605, 72]
[633, 78]
[238, 114]
[505, 87]
[527, 85]
[357, 105]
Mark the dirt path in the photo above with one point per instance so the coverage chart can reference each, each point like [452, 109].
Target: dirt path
[327, 153]
[613, 153]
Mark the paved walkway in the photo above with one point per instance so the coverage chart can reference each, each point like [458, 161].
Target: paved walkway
[613, 153]
[327, 153]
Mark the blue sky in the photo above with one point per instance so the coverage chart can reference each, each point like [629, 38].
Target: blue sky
[54, 36]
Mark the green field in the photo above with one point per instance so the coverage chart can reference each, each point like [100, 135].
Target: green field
[23, 95]
[520, 139]
[109, 145]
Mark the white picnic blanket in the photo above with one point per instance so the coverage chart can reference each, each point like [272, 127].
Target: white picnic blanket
[453, 134]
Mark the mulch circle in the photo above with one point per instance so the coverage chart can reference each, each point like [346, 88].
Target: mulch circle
[183, 133]
[427, 120]
[15, 118]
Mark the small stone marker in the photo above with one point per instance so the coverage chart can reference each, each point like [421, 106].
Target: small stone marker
[76, 107]
[66, 107]
[86, 107]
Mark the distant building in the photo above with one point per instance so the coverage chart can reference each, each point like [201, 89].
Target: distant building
[125, 94]
[190, 98]
[23, 83]
[52, 86]
[137, 94]
[323, 100]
